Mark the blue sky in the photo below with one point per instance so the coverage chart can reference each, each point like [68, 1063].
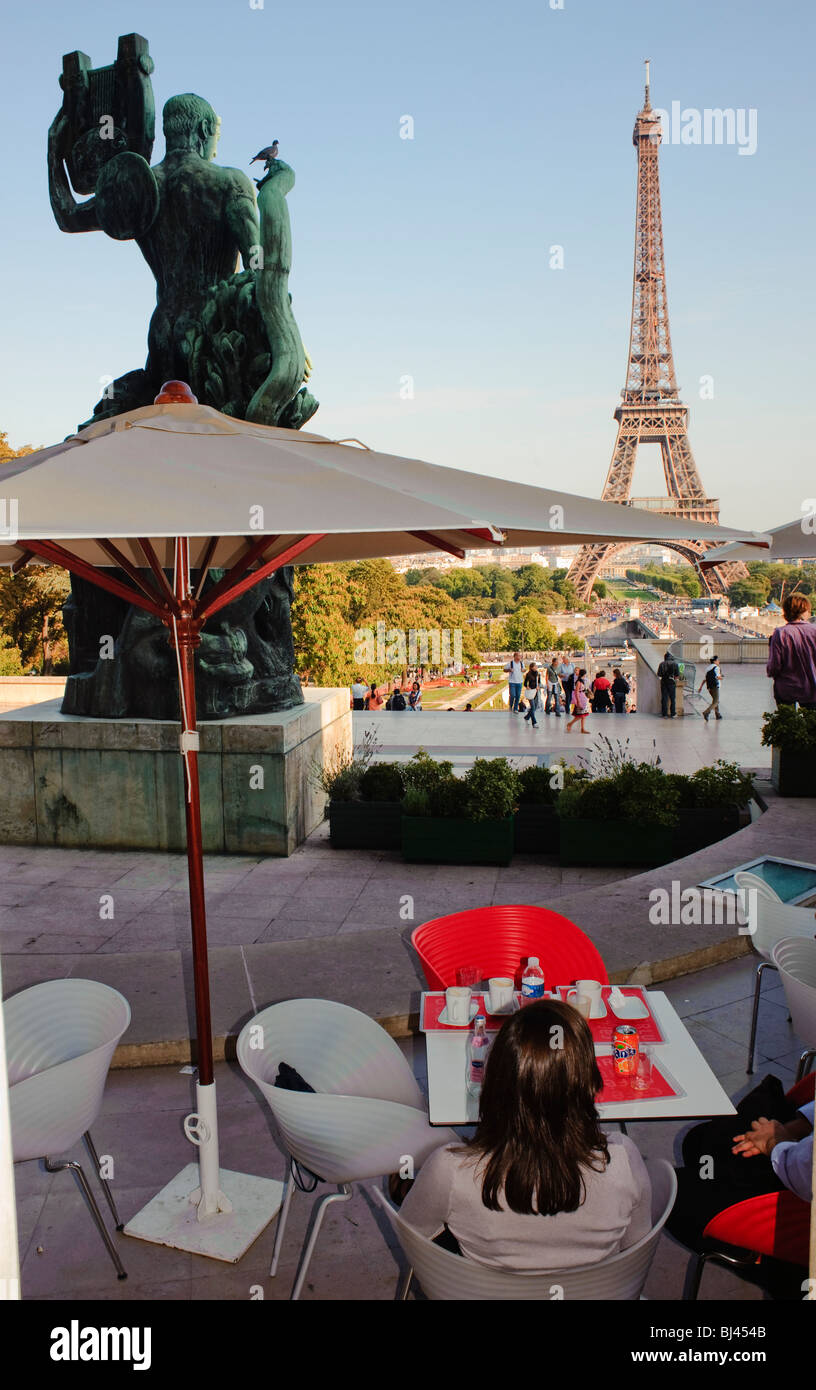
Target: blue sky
[429, 257]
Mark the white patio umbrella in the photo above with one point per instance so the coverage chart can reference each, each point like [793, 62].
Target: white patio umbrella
[794, 541]
[179, 487]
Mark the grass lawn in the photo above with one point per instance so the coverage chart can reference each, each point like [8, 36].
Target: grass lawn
[619, 592]
[441, 697]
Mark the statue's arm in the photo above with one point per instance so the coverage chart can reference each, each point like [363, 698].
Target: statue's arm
[242, 216]
[70, 215]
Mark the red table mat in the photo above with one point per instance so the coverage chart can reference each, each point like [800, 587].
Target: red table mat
[620, 1088]
[435, 1003]
[603, 1028]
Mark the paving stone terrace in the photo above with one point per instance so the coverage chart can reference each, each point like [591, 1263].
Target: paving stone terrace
[140, 1126]
[328, 923]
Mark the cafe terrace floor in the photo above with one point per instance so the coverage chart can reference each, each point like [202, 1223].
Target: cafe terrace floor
[331, 924]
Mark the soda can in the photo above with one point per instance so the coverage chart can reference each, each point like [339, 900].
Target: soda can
[625, 1049]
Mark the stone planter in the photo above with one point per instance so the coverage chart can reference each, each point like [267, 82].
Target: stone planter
[699, 826]
[536, 829]
[614, 842]
[793, 773]
[451, 840]
[365, 824]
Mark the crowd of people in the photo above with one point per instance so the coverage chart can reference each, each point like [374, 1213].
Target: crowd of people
[563, 687]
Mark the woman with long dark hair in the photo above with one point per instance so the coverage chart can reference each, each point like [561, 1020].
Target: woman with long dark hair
[540, 1186]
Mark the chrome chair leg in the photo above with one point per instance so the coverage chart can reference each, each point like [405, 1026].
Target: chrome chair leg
[288, 1192]
[404, 1286]
[106, 1187]
[343, 1194]
[693, 1277]
[805, 1063]
[82, 1183]
[763, 965]
[746, 1261]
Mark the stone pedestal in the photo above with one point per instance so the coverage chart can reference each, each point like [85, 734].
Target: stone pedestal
[118, 784]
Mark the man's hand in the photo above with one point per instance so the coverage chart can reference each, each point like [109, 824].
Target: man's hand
[761, 1138]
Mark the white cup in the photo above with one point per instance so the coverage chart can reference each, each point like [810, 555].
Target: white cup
[457, 1001]
[587, 989]
[501, 992]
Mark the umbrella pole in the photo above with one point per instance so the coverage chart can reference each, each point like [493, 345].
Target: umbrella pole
[201, 1127]
[221, 1228]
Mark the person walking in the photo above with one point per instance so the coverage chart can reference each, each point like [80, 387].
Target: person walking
[620, 689]
[711, 680]
[532, 684]
[566, 675]
[601, 699]
[553, 689]
[515, 669]
[792, 655]
[667, 672]
[415, 697]
[580, 707]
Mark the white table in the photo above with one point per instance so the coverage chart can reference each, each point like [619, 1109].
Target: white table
[678, 1057]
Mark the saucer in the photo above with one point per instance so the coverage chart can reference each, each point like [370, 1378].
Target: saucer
[443, 1017]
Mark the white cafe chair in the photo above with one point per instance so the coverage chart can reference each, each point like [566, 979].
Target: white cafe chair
[60, 1038]
[443, 1275]
[774, 921]
[366, 1115]
[795, 959]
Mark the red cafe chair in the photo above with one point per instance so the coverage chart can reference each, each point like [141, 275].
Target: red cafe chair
[776, 1224]
[500, 940]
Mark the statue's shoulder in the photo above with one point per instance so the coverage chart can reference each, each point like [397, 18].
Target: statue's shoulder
[239, 181]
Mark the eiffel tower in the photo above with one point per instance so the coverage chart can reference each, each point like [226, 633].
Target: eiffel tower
[651, 411]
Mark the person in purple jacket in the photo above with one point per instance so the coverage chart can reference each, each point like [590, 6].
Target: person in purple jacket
[792, 655]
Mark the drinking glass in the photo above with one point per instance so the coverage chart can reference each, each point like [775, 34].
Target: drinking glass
[642, 1078]
[470, 975]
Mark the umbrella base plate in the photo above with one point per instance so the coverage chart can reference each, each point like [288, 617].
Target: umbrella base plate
[170, 1219]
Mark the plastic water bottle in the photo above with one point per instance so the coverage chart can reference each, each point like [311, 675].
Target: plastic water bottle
[532, 982]
[478, 1047]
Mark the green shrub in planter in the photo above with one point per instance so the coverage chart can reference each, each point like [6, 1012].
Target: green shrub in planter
[722, 784]
[536, 819]
[423, 773]
[372, 817]
[382, 782]
[453, 820]
[791, 733]
[626, 818]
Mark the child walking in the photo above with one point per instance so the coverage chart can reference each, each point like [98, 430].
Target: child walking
[580, 707]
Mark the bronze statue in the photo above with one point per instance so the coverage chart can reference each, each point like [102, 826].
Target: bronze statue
[231, 333]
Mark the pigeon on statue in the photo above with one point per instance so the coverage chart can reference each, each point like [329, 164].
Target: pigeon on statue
[267, 155]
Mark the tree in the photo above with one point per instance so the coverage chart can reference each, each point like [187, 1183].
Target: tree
[531, 579]
[10, 663]
[599, 588]
[748, 593]
[527, 629]
[31, 611]
[569, 594]
[322, 632]
[31, 601]
[6, 451]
